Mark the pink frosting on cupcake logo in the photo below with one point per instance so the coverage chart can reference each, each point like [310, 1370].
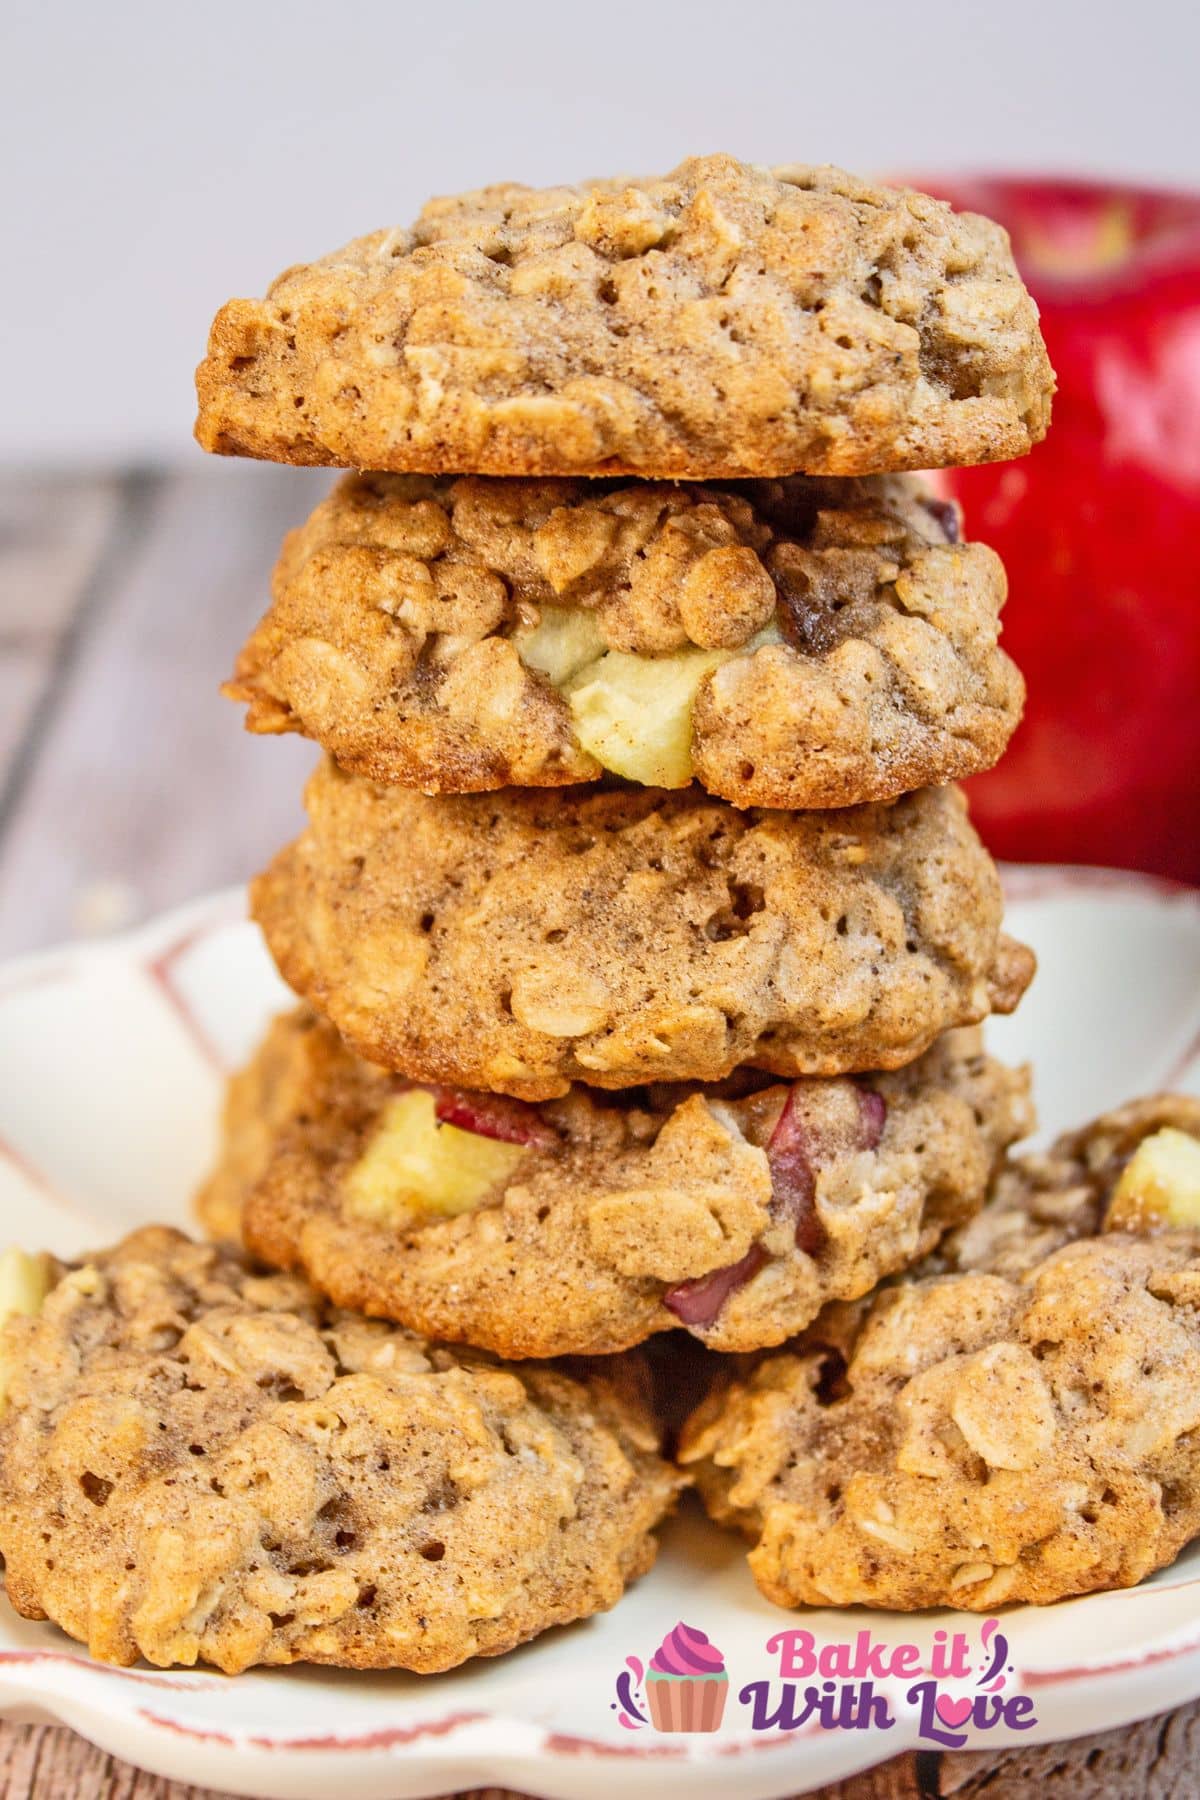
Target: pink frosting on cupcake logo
[684, 1687]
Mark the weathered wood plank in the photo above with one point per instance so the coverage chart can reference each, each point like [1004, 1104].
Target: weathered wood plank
[1156, 1759]
[23, 678]
[145, 790]
[53, 536]
[47, 1762]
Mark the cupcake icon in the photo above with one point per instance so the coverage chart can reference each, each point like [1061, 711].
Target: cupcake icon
[686, 1682]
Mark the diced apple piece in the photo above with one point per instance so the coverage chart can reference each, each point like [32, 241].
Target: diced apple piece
[634, 713]
[24, 1283]
[793, 1177]
[416, 1168]
[493, 1116]
[1159, 1186]
[698, 1302]
[797, 1151]
[565, 641]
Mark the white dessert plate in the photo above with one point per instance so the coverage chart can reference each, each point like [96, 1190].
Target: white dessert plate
[111, 1058]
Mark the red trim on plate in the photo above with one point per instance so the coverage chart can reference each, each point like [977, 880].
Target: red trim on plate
[61, 970]
[33, 1175]
[561, 1743]
[194, 1732]
[160, 970]
[1147, 1660]
[387, 1738]
[89, 1665]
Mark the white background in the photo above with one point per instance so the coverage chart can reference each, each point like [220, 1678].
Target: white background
[159, 157]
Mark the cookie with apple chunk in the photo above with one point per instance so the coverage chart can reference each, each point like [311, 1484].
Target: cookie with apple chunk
[587, 1224]
[202, 1463]
[794, 644]
[523, 940]
[1136, 1167]
[1023, 1427]
[722, 320]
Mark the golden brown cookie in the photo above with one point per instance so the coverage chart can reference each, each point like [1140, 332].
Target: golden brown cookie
[199, 1463]
[524, 940]
[794, 644]
[1023, 1430]
[723, 320]
[586, 1224]
[262, 1100]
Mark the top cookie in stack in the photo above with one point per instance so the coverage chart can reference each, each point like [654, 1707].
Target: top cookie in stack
[637, 519]
[725, 321]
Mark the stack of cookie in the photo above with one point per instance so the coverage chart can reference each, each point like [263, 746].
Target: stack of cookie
[640, 941]
[640, 936]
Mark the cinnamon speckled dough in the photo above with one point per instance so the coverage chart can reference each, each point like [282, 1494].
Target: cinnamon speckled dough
[722, 320]
[524, 940]
[203, 1464]
[1022, 1429]
[401, 608]
[618, 1201]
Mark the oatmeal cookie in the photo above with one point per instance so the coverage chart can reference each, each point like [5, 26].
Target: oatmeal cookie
[720, 321]
[524, 940]
[199, 1463]
[261, 1101]
[1021, 1429]
[796, 643]
[586, 1224]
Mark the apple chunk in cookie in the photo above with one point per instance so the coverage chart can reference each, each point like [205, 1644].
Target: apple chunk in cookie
[434, 1153]
[796, 643]
[589, 1223]
[25, 1280]
[1159, 1185]
[634, 713]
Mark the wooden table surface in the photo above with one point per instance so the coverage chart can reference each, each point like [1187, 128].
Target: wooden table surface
[127, 785]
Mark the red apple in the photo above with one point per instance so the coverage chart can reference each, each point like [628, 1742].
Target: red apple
[1100, 531]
